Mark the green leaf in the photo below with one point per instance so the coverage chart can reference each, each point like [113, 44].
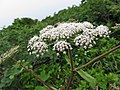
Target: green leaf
[87, 77]
[44, 76]
[78, 88]
[103, 84]
[29, 86]
[54, 88]
[11, 76]
[40, 88]
[67, 59]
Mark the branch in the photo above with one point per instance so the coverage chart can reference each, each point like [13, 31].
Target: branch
[72, 69]
[35, 75]
[98, 57]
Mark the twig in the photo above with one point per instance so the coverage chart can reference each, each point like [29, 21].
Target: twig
[96, 88]
[35, 75]
[72, 70]
[98, 57]
[109, 87]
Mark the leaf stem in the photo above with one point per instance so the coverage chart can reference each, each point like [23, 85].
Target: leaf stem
[97, 58]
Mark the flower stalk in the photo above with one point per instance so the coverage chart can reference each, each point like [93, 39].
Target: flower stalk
[72, 69]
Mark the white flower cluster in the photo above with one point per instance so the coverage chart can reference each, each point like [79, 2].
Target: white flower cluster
[87, 38]
[84, 41]
[85, 35]
[62, 46]
[63, 30]
[88, 25]
[33, 40]
[102, 31]
[46, 29]
[37, 48]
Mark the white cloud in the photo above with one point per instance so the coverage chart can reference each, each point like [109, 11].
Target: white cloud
[11, 9]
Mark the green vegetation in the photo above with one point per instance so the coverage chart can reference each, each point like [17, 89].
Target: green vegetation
[55, 71]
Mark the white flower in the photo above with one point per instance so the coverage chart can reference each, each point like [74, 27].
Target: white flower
[64, 52]
[88, 25]
[84, 41]
[88, 37]
[37, 55]
[33, 40]
[38, 48]
[84, 35]
[102, 31]
[46, 29]
[30, 53]
[89, 32]
[63, 30]
[58, 54]
[62, 46]
[76, 55]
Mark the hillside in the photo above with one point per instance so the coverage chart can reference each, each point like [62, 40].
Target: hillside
[106, 12]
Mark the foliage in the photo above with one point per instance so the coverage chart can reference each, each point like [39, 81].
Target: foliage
[55, 70]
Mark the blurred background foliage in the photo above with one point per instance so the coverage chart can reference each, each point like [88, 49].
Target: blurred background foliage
[55, 70]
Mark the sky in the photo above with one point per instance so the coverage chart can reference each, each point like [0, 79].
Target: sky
[35, 9]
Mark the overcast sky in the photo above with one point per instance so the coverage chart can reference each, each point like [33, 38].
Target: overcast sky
[36, 9]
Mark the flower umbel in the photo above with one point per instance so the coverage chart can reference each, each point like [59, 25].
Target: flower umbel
[81, 34]
[62, 46]
[102, 31]
[62, 31]
[38, 48]
[84, 41]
